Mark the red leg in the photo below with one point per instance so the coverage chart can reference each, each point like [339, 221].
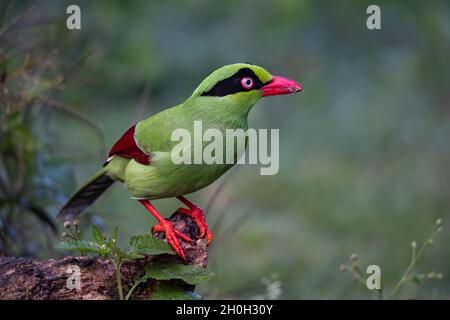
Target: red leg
[196, 213]
[168, 228]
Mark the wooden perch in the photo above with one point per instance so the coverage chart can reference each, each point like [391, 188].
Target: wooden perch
[25, 278]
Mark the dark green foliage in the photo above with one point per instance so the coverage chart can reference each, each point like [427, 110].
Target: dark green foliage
[28, 192]
[34, 179]
[188, 273]
[83, 246]
[168, 291]
[146, 244]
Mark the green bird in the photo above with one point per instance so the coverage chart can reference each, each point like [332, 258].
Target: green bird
[141, 158]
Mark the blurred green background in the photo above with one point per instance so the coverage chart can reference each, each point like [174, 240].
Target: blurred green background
[364, 150]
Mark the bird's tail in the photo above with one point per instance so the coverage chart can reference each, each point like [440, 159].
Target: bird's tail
[86, 195]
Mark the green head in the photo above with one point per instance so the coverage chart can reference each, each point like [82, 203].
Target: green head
[239, 86]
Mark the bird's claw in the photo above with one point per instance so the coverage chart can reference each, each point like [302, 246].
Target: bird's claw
[196, 214]
[172, 236]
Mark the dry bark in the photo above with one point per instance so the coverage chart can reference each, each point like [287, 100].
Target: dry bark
[26, 278]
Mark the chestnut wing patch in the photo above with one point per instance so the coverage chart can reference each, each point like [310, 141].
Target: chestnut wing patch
[126, 147]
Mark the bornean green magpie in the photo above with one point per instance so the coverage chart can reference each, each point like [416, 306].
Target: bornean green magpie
[141, 157]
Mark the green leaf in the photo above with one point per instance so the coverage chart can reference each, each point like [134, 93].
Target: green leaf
[146, 244]
[188, 273]
[132, 255]
[97, 235]
[167, 291]
[83, 246]
[124, 255]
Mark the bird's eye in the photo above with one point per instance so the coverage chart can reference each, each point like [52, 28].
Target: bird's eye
[247, 83]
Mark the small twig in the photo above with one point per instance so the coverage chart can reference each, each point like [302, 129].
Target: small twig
[15, 19]
[228, 232]
[72, 112]
[134, 286]
[215, 196]
[117, 265]
[414, 258]
[143, 102]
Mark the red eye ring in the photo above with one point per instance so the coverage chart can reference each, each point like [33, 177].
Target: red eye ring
[247, 83]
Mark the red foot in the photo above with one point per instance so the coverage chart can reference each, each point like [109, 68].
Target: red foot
[171, 237]
[196, 213]
[168, 229]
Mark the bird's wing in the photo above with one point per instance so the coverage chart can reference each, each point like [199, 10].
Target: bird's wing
[127, 147]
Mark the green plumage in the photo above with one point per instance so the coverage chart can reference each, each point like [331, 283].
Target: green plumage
[162, 178]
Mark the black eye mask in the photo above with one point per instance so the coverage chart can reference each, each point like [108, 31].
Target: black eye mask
[233, 84]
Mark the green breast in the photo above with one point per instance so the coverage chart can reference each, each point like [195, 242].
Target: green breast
[163, 178]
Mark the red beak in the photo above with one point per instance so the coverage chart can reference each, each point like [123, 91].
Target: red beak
[280, 85]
